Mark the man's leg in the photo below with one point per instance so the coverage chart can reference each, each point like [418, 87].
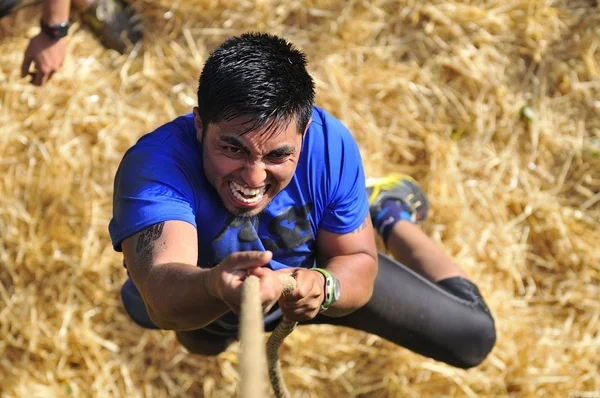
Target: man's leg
[397, 204]
[447, 321]
[427, 305]
[204, 343]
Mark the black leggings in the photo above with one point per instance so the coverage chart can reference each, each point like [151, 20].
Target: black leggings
[447, 321]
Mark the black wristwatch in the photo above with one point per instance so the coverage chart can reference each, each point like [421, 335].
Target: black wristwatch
[332, 289]
[55, 32]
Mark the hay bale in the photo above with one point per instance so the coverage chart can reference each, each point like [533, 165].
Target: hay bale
[430, 88]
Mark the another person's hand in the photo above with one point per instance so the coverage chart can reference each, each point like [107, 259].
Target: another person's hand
[47, 54]
[305, 301]
[226, 279]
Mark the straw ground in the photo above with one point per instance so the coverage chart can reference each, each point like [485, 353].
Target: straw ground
[430, 88]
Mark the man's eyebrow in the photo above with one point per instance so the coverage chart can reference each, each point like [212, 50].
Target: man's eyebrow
[233, 141]
[283, 150]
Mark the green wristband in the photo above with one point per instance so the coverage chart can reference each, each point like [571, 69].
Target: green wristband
[331, 289]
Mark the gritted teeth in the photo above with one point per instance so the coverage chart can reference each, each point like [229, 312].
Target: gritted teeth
[247, 195]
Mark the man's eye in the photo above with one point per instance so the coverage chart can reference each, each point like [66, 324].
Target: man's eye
[279, 155]
[232, 150]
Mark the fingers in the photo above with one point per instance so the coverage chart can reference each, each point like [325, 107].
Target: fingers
[304, 302]
[260, 272]
[269, 290]
[39, 78]
[247, 260]
[25, 65]
[308, 285]
[46, 77]
[43, 73]
[301, 303]
[270, 287]
[303, 310]
[46, 54]
[287, 276]
[231, 272]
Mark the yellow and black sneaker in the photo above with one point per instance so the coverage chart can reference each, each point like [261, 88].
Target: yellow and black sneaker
[116, 25]
[399, 188]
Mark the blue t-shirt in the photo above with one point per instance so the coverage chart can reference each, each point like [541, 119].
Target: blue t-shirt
[161, 178]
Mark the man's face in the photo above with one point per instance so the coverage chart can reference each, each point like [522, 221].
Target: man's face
[248, 170]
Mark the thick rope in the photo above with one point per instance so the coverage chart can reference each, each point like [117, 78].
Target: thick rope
[275, 340]
[253, 356]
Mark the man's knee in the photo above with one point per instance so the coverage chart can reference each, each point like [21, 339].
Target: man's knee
[196, 343]
[477, 342]
[476, 337]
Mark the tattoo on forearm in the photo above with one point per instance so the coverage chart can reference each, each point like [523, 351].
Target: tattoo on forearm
[148, 236]
[361, 227]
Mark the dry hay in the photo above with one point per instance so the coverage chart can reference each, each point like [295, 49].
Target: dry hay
[431, 88]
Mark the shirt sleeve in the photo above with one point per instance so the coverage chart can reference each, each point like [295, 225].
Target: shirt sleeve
[348, 204]
[150, 187]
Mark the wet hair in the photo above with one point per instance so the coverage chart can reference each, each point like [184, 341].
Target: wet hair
[260, 76]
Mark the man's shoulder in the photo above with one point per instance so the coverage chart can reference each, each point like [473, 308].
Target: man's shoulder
[322, 119]
[174, 139]
[326, 135]
[328, 144]
[328, 126]
[163, 154]
[179, 128]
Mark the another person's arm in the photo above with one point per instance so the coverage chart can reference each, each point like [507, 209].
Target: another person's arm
[44, 51]
[55, 11]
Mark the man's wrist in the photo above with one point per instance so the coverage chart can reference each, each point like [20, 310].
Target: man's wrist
[322, 282]
[331, 289]
[207, 281]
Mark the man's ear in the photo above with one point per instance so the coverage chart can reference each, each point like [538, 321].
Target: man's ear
[307, 126]
[198, 125]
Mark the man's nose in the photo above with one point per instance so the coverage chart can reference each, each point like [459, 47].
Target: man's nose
[254, 174]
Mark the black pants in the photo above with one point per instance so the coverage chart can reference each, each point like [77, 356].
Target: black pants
[447, 321]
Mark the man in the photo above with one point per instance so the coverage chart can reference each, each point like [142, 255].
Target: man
[258, 181]
[112, 21]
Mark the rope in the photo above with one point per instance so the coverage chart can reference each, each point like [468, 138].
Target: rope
[275, 340]
[254, 359]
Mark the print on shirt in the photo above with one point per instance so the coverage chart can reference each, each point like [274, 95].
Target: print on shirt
[246, 234]
[291, 228]
[288, 230]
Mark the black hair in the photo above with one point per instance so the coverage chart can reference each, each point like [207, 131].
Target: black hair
[258, 75]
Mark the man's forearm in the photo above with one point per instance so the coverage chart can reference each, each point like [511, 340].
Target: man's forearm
[356, 273]
[55, 11]
[177, 299]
